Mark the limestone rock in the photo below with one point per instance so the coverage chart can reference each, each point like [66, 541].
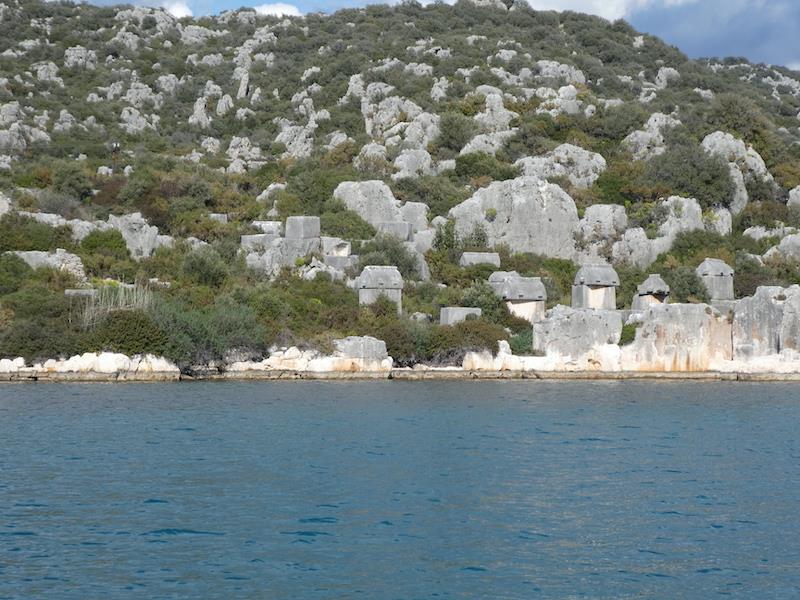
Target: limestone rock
[489, 143]
[495, 116]
[678, 337]
[743, 161]
[360, 347]
[78, 57]
[413, 163]
[649, 142]
[580, 166]
[767, 323]
[576, 332]
[415, 213]
[373, 201]
[60, 260]
[530, 215]
[794, 198]
[141, 238]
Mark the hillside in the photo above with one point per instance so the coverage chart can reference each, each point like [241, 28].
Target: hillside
[164, 157]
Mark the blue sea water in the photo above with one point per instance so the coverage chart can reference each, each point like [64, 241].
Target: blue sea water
[394, 490]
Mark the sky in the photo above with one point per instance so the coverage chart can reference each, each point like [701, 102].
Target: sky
[760, 30]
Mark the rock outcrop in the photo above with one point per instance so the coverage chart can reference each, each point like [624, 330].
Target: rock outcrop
[767, 323]
[580, 166]
[527, 214]
[678, 337]
[574, 333]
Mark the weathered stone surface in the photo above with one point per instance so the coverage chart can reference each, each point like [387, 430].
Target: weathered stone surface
[580, 166]
[575, 332]
[600, 227]
[743, 161]
[488, 143]
[717, 277]
[360, 347]
[565, 101]
[141, 238]
[5, 204]
[530, 215]
[635, 248]
[413, 163]
[649, 142]
[302, 228]
[479, 258]
[653, 290]
[60, 260]
[78, 57]
[595, 286]
[334, 246]
[767, 323]
[380, 281]
[415, 213]
[450, 315]
[396, 229]
[373, 201]
[495, 116]
[281, 253]
[678, 337]
[794, 198]
[787, 249]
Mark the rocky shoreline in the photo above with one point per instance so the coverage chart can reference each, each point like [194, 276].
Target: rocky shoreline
[454, 374]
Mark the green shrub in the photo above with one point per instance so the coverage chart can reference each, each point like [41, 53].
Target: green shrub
[685, 285]
[13, 271]
[455, 130]
[477, 165]
[438, 192]
[388, 250]
[337, 221]
[69, 178]
[628, 334]
[449, 343]
[205, 267]
[18, 232]
[522, 343]
[687, 170]
[129, 332]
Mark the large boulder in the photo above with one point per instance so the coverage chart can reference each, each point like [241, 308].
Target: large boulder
[576, 332]
[580, 166]
[60, 260]
[141, 238]
[678, 337]
[373, 201]
[649, 141]
[360, 347]
[635, 248]
[527, 214]
[743, 161]
[767, 323]
[281, 253]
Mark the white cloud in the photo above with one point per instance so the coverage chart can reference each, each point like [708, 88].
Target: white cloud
[177, 8]
[794, 66]
[278, 9]
[608, 9]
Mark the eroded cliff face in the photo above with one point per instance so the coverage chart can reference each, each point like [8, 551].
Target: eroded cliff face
[678, 337]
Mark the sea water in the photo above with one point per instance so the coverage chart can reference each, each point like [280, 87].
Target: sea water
[394, 490]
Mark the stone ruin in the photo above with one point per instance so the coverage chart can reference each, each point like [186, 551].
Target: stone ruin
[654, 290]
[479, 258]
[450, 315]
[595, 286]
[379, 281]
[717, 277]
[525, 297]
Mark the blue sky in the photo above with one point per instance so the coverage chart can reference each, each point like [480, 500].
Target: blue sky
[761, 30]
